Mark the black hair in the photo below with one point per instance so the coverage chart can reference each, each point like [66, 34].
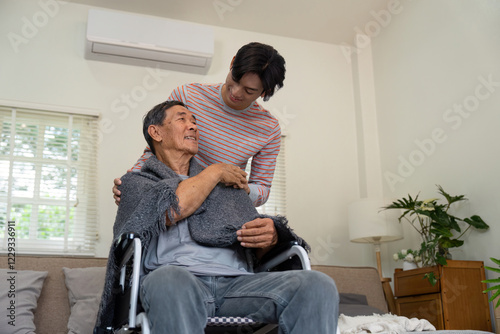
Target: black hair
[156, 116]
[262, 60]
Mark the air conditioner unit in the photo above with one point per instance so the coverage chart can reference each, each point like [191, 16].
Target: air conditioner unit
[148, 41]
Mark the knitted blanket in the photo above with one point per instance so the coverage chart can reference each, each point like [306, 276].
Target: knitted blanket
[148, 195]
[386, 323]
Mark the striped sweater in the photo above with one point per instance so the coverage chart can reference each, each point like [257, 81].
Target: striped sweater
[231, 136]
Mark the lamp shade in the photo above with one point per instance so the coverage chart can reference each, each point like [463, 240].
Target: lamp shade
[370, 224]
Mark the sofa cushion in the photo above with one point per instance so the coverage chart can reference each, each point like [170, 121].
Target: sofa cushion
[352, 298]
[353, 304]
[359, 280]
[19, 292]
[85, 287]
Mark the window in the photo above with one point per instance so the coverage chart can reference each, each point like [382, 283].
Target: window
[48, 180]
[276, 203]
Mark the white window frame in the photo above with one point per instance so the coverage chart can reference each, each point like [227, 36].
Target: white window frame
[80, 192]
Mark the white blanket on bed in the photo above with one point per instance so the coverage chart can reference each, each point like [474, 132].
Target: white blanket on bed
[386, 323]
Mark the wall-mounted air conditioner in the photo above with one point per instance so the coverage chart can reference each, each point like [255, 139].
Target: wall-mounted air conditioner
[148, 41]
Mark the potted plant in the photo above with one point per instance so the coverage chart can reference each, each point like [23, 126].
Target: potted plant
[494, 280]
[436, 225]
[410, 257]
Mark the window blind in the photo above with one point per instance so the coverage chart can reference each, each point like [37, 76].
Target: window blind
[48, 181]
[276, 203]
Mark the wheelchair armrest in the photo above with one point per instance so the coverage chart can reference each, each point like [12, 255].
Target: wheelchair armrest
[122, 244]
[282, 253]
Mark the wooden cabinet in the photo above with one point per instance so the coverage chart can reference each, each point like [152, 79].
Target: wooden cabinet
[456, 302]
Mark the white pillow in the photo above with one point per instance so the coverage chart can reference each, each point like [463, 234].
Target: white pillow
[19, 292]
[85, 287]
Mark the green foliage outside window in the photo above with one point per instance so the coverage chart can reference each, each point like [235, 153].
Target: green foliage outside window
[35, 186]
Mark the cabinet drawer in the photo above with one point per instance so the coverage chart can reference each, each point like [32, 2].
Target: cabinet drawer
[427, 307]
[412, 282]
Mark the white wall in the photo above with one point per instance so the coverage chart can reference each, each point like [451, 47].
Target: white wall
[427, 58]
[315, 108]
[432, 58]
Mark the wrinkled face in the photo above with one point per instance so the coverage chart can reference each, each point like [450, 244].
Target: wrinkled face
[178, 133]
[240, 95]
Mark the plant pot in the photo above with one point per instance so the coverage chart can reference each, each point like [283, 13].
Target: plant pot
[409, 265]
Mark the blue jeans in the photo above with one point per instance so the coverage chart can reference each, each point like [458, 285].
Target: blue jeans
[300, 302]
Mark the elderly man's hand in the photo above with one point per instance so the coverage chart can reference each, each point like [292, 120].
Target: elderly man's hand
[259, 233]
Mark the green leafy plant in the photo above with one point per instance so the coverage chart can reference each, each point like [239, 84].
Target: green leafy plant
[495, 280]
[436, 225]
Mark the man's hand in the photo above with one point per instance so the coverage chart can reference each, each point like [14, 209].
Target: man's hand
[246, 188]
[230, 175]
[117, 193]
[259, 233]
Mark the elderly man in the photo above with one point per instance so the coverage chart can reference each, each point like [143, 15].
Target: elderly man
[201, 235]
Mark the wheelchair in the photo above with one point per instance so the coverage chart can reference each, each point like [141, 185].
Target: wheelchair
[130, 318]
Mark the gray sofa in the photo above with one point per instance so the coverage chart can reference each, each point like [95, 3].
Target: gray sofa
[53, 306]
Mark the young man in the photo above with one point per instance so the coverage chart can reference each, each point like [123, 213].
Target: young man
[198, 235]
[233, 126]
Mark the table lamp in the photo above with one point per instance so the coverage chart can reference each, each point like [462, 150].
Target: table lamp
[369, 223]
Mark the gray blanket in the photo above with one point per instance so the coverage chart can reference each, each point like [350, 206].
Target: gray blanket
[148, 195]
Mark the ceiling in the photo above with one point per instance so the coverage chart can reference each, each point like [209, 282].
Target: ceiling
[328, 21]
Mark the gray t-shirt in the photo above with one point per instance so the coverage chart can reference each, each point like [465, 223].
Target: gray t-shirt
[176, 247]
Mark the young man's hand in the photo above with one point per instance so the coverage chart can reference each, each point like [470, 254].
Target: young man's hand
[116, 193]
